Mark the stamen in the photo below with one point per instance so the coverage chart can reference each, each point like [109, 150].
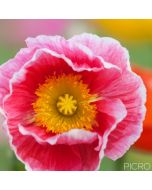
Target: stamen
[67, 105]
[64, 103]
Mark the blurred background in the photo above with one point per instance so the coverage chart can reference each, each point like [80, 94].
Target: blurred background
[135, 35]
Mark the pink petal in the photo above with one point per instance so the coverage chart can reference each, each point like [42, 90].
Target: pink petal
[54, 43]
[98, 81]
[131, 91]
[74, 136]
[54, 157]
[8, 69]
[81, 56]
[108, 48]
[112, 107]
[110, 114]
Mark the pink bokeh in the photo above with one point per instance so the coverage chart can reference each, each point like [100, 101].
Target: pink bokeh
[21, 29]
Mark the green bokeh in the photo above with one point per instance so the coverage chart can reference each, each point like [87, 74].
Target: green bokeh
[141, 54]
[8, 161]
[6, 53]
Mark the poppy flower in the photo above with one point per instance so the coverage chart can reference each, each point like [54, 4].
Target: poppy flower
[69, 103]
[145, 141]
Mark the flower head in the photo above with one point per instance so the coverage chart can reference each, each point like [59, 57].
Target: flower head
[68, 103]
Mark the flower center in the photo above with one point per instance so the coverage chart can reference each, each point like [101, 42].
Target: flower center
[66, 104]
[63, 103]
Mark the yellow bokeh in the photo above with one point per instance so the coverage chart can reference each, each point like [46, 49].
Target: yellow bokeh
[126, 29]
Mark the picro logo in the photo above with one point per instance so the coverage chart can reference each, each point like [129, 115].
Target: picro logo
[137, 166]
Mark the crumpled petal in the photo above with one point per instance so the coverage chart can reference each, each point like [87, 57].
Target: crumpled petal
[133, 95]
[107, 48]
[43, 156]
[110, 114]
[8, 69]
